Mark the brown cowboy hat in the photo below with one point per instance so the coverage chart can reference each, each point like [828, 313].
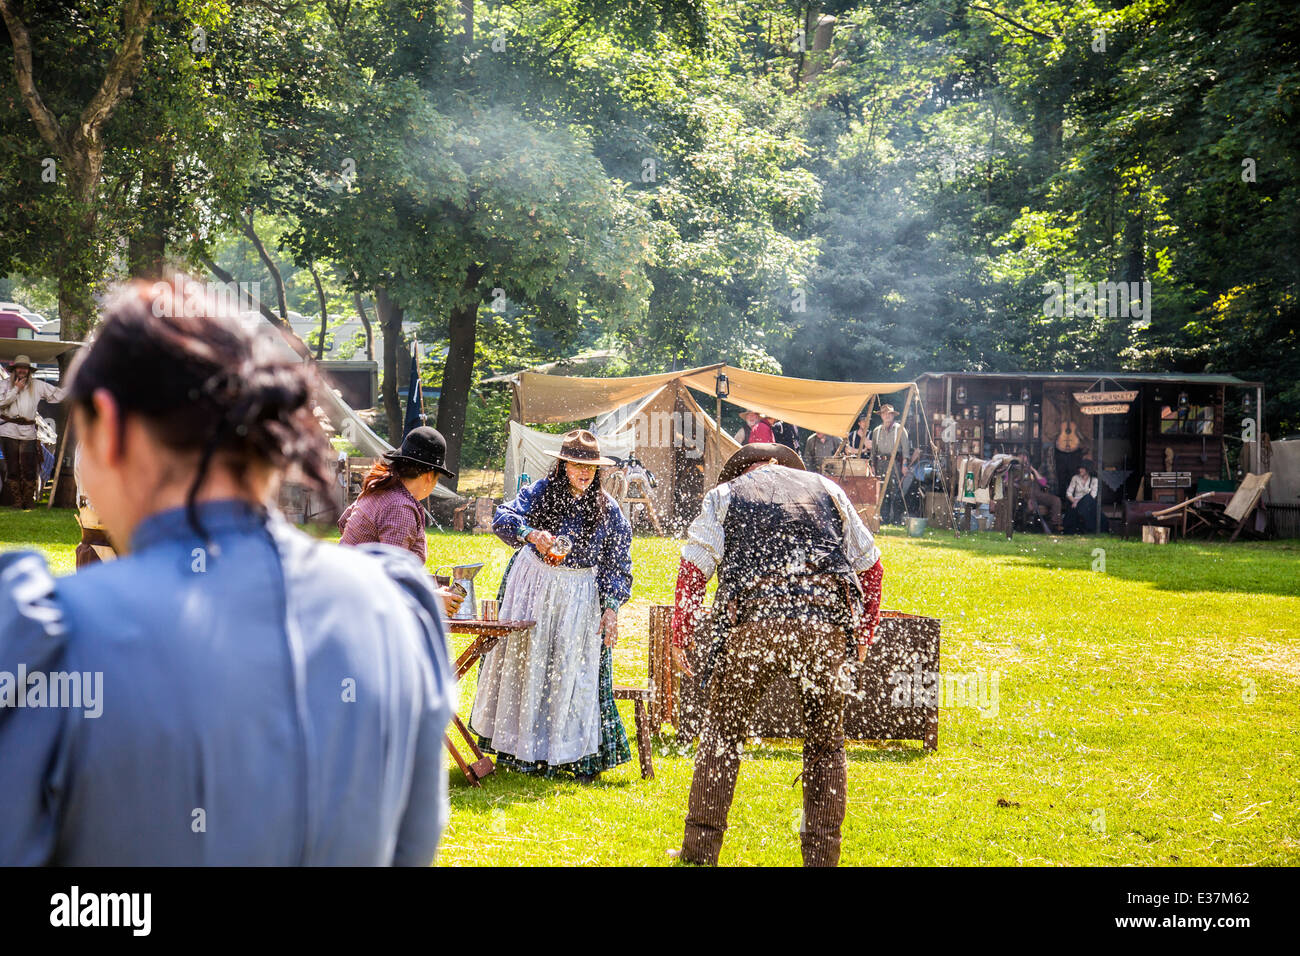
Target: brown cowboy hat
[759, 451]
[889, 408]
[581, 448]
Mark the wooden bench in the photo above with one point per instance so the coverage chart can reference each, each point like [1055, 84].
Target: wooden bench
[640, 696]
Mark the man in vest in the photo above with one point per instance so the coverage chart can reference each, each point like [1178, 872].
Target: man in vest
[890, 438]
[798, 594]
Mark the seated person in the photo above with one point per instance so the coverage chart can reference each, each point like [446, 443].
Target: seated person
[1081, 517]
[818, 449]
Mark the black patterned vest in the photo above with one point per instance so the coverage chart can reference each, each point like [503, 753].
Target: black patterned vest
[781, 523]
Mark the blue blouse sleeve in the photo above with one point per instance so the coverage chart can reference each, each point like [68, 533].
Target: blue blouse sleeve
[614, 569]
[511, 517]
[33, 740]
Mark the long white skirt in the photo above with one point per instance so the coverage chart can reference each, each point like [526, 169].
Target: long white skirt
[538, 692]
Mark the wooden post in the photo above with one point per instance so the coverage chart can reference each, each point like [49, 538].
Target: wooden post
[889, 469]
[58, 465]
[663, 707]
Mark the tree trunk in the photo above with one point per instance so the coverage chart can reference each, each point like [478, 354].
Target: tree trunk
[324, 316]
[390, 327]
[276, 279]
[80, 151]
[75, 280]
[365, 324]
[458, 372]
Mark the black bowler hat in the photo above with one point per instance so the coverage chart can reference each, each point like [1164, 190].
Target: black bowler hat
[423, 446]
[755, 452]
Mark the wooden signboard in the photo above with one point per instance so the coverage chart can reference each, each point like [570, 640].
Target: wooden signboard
[1102, 398]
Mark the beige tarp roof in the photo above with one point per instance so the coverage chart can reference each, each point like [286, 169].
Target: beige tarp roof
[549, 399]
[38, 350]
[827, 407]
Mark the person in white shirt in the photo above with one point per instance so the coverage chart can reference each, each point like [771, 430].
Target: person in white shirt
[19, 398]
[1081, 516]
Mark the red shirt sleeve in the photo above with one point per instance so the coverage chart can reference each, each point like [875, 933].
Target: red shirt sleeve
[872, 581]
[688, 605]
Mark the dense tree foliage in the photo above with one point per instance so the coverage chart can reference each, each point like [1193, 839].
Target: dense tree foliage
[836, 190]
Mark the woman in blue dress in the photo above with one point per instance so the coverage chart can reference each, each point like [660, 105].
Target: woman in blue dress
[242, 694]
[545, 699]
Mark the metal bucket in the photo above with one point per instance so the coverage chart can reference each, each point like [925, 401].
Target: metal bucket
[916, 527]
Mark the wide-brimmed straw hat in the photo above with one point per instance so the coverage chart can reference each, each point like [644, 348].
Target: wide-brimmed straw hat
[888, 408]
[21, 361]
[423, 446]
[581, 447]
[757, 452]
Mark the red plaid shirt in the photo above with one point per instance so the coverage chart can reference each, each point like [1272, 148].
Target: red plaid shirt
[388, 516]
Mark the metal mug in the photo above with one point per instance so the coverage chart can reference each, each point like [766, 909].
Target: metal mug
[491, 610]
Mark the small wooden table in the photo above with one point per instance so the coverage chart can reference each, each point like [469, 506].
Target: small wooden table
[486, 634]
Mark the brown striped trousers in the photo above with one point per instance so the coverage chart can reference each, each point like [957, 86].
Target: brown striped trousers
[756, 653]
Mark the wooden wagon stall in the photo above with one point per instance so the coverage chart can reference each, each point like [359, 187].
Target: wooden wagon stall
[1157, 440]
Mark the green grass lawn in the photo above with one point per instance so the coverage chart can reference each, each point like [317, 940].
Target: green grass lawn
[1148, 713]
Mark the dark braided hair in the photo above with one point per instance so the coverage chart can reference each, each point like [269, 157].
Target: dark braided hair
[556, 503]
[203, 383]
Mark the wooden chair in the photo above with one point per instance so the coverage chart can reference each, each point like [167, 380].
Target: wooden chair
[638, 493]
[1238, 511]
[1199, 513]
[1181, 517]
[640, 696]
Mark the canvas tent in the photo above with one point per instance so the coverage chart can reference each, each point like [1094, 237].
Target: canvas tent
[827, 407]
[676, 438]
[667, 431]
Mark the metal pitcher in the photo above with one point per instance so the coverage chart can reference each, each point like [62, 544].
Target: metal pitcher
[461, 576]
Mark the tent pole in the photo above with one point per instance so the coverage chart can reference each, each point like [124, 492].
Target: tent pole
[935, 459]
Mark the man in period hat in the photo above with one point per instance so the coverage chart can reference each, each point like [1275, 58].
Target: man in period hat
[19, 399]
[799, 580]
[755, 429]
[890, 438]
